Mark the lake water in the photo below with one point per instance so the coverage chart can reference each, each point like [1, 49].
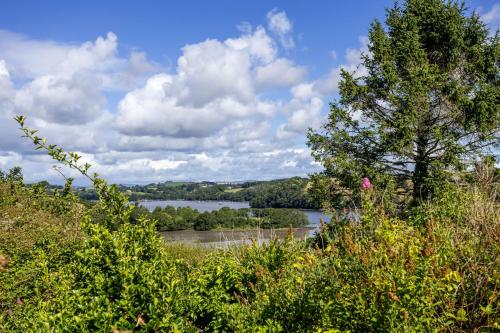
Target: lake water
[221, 238]
[201, 206]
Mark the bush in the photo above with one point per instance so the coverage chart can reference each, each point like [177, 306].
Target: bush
[64, 271]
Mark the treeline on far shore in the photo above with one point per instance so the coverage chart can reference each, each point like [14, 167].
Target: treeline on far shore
[170, 218]
[281, 193]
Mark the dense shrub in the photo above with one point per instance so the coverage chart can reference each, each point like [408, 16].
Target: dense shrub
[66, 269]
[437, 270]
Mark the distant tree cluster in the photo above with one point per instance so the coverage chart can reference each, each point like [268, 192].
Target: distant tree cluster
[283, 193]
[289, 193]
[189, 191]
[182, 218]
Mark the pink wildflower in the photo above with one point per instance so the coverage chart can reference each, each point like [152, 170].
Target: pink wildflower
[19, 301]
[366, 184]
[9, 312]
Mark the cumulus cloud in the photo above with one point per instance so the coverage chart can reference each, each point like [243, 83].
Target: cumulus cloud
[61, 82]
[28, 58]
[212, 69]
[70, 100]
[132, 72]
[9, 159]
[91, 137]
[70, 92]
[256, 43]
[215, 84]
[230, 109]
[154, 110]
[278, 23]
[305, 108]
[6, 88]
[281, 72]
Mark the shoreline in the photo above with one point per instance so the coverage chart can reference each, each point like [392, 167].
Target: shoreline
[229, 201]
[233, 236]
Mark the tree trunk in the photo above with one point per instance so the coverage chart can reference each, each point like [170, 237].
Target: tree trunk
[421, 173]
[420, 178]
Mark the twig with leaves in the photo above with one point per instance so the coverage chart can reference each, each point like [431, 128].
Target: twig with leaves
[113, 202]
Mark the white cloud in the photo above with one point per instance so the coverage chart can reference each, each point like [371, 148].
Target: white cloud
[257, 44]
[281, 72]
[307, 114]
[130, 73]
[305, 109]
[94, 56]
[278, 23]
[243, 131]
[61, 82]
[6, 88]
[306, 117]
[152, 110]
[149, 164]
[166, 164]
[62, 100]
[493, 15]
[214, 85]
[160, 144]
[29, 59]
[221, 114]
[212, 163]
[289, 163]
[212, 69]
[9, 160]
[91, 137]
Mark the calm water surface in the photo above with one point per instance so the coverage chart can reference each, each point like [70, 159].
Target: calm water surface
[201, 206]
[222, 238]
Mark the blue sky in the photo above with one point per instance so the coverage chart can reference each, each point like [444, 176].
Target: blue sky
[162, 27]
[192, 90]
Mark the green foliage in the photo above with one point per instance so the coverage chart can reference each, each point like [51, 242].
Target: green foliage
[282, 193]
[70, 267]
[182, 218]
[428, 102]
[119, 279]
[64, 271]
[234, 218]
[279, 218]
[112, 202]
[290, 193]
[204, 221]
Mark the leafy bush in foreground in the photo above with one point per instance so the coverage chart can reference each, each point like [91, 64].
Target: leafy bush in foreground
[438, 270]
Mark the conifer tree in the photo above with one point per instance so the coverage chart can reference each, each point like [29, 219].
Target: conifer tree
[428, 103]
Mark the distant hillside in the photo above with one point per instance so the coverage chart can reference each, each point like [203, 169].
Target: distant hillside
[279, 193]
